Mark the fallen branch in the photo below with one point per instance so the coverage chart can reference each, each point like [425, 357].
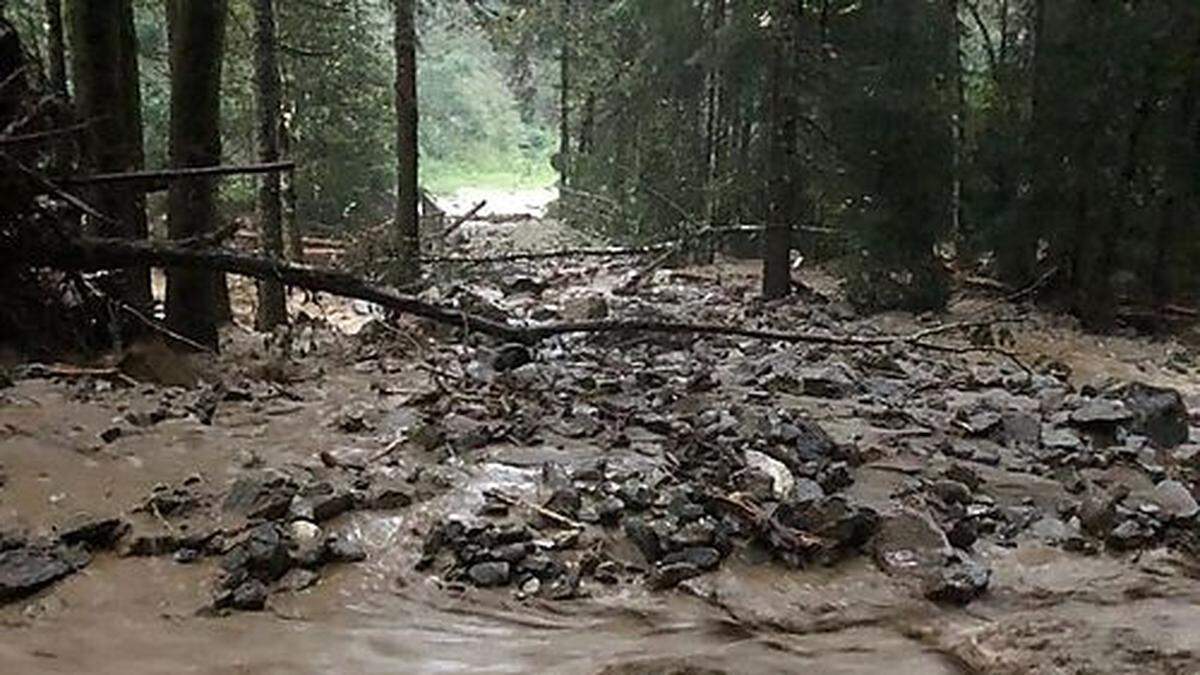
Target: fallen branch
[93, 254]
[546, 513]
[458, 222]
[549, 255]
[158, 180]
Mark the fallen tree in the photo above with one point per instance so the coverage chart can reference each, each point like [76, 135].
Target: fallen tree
[84, 254]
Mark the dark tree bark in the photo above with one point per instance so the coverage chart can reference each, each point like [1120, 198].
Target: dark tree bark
[406, 268]
[272, 304]
[56, 48]
[104, 56]
[784, 182]
[291, 226]
[197, 34]
[564, 96]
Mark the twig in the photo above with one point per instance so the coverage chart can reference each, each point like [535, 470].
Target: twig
[458, 222]
[540, 510]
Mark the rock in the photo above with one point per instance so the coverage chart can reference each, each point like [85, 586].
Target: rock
[511, 356]
[1098, 513]
[565, 500]
[670, 576]
[607, 571]
[321, 502]
[963, 534]
[97, 534]
[342, 550]
[833, 519]
[110, 434]
[1175, 500]
[25, 571]
[636, 495]
[1158, 413]
[489, 574]
[830, 382]
[143, 544]
[297, 580]
[782, 480]
[1051, 530]
[951, 492]
[1130, 534]
[250, 596]
[806, 492]
[388, 499]
[1062, 439]
[910, 542]
[959, 583]
[981, 423]
[645, 538]
[1020, 429]
[1101, 412]
[610, 510]
[260, 496]
[307, 544]
[186, 556]
[510, 553]
[586, 308]
[262, 554]
[702, 557]
[696, 533]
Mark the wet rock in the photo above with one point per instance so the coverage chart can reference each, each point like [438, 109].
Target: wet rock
[306, 544]
[964, 474]
[1098, 513]
[10, 540]
[260, 496]
[111, 434]
[587, 308]
[951, 492]
[836, 476]
[981, 423]
[27, 570]
[263, 554]
[610, 510]
[645, 538]
[1062, 439]
[510, 553]
[321, 502]
[670, 576]
[97, 534]
[1130, 534]
[910, 542]
[782, 480]
[150, 544]
[607, 571]
[702, 557]
[1051, 530]
[1020, 429]
[1100, 419]
[1158, 413]
[831, 382]
[844, 525]
[1175, 500]
[186, 556]
[387, 498]
[342, 550]
[806, 492]
[250, 596]
[959, 583]
[297, 580]
[963, 534]
[172, 502]
[565, 500]
[489, 574]
[697, 533]
[636, 495]
[510, 357]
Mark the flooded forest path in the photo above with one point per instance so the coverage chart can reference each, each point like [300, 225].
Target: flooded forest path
[364, 495]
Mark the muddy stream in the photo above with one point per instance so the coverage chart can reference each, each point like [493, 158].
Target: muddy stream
[1049, 607]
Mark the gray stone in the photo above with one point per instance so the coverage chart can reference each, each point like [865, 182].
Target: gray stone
[1175, 499]
[669, 576]
[1097, 412]
[489, 574]
[1158, 413]
[782, 480]
[250, 596]
[645, 538]
[341, 550]
[959, 583]
[262, 495]
[806, 491]
[702, 557]
[263, 555]
[97, 534]
[297, 580]
[1129, 535]
[27, 570]
[910, 542]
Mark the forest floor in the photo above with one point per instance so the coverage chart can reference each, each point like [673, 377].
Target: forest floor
[392, 499]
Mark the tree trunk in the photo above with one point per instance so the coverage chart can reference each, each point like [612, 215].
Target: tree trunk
[958, 130]
[272, 305]
[291, 227]
[783, 184]
[197, 36]
[564, 96]
[713, 119]
[56, 50]
[104, 55]
[406, 269]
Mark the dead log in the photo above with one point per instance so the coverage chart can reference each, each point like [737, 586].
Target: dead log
[156, 181]
[94, 254]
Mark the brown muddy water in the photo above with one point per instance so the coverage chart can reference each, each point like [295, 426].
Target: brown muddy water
[1049, 611]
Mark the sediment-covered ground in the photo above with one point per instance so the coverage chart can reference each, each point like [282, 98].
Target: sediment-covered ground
[402, 499]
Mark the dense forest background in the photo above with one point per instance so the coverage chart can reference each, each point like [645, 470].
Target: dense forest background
[1028, 141]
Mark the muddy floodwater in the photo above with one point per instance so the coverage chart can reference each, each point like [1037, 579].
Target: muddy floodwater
[1032, 518]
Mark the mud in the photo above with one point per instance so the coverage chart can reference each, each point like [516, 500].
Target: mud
[950, 442]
